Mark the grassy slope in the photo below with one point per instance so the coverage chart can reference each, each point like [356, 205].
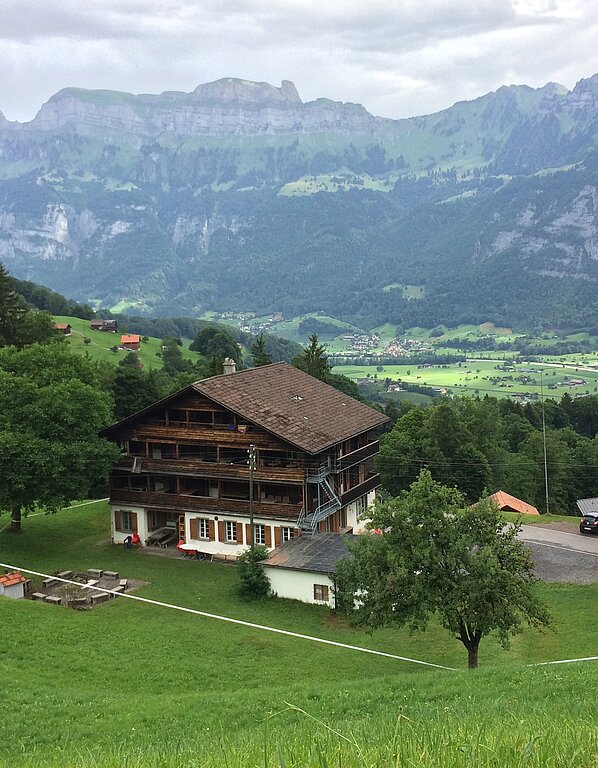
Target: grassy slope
[132, 684]
[101, 343]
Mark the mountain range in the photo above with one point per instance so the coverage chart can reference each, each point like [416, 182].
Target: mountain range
[240, 196]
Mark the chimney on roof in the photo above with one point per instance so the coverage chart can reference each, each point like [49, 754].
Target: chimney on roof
[229, 365]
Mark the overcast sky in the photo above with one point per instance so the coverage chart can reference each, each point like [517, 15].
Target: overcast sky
[396, 57]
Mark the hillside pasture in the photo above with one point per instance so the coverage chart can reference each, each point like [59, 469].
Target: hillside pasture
[101, 343]
[131, 684]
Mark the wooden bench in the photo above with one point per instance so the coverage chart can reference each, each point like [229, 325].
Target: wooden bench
[95, 573]
[77, 602]
[66, 574]
[47, 583]
[100, 598]
[53, 599]
[123, 583]
[91, 583]
[112, 574]
[118, 590]
[38, 596]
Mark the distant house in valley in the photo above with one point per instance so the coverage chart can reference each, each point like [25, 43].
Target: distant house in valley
[184, 472]
[108, 326]
[64, 328]
[305, 568]
[13, 584]
[508, 503]
[130, 341]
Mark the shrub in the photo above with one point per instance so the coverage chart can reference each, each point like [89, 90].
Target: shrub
[252, 580]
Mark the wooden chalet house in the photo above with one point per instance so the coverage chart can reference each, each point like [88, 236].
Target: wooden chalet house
[184, 468]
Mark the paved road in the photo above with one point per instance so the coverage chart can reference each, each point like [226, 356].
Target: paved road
[562, 556]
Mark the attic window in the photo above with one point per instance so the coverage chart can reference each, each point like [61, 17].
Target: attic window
[297, 397]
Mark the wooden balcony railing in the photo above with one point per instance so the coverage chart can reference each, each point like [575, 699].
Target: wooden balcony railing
[196, 468]
[184, 503]
[368, 485]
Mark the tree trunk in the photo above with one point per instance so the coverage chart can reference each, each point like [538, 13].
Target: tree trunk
[471, 640]
[472, 654]
[15, 520]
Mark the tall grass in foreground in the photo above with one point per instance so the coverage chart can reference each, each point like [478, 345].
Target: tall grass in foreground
[436, 741]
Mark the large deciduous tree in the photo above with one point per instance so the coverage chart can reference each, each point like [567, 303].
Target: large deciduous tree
[51, 409]
[438, 557]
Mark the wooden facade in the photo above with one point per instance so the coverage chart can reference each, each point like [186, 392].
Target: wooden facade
[185, 465]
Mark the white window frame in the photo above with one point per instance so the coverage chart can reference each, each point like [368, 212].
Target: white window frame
[321, 589]
[286, 533]
[126, 520]
[203, 528]
[259, 534]
[230, 531]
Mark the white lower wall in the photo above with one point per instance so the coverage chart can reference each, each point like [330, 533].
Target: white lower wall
[299, 585]
[356, 519]
[118, 537]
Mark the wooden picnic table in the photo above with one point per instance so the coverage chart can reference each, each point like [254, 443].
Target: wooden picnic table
[158, 536]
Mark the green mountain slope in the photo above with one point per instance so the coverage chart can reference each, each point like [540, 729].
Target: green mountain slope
[240, 196]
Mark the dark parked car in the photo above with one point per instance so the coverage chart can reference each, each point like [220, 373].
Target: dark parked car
[589, 523]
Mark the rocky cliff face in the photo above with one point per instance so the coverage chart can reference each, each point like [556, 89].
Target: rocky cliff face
[227, 107]
[208, 199]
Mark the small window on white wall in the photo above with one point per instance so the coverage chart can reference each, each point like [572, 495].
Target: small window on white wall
[203, 528]
[125, 521]
[260, 534]
[230, 531]
[361, 507]
[286, 533]
[321, 593]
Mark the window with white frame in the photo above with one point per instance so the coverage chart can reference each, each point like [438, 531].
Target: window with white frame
[361, 506]
[203, 528]
[286, 533]
[259, 532]
[321, 593]
[126, 523]
[230, 531]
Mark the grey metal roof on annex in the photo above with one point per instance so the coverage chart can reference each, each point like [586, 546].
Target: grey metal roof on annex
[587, 505]
[318, 553]
[291, 404]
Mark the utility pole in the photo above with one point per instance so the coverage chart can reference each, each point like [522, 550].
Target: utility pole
[544, 439]
[251, 462]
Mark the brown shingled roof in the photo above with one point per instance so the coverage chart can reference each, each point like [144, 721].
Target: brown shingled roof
[292, 405]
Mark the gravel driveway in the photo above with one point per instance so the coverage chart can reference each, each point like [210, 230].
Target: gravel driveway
[569, 558]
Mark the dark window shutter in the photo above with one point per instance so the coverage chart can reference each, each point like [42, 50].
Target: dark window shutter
[220, 530]
[239, 533]
[277, 536]
[296, 532]
[117, 523]
[268, 531]
[194, 528]
[211, 531]
[134, 522]
[248, 533]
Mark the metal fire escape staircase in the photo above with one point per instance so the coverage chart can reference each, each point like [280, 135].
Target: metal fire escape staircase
[328, 500]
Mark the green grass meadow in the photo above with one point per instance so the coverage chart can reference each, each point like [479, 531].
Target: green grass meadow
[100, 346]
[134, 684]
[474, 377]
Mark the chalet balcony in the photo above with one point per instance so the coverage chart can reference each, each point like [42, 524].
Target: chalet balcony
[317, 474]
[191, 503]
[148, 429]
[356, 457]
[198, 468]
[370, 484]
